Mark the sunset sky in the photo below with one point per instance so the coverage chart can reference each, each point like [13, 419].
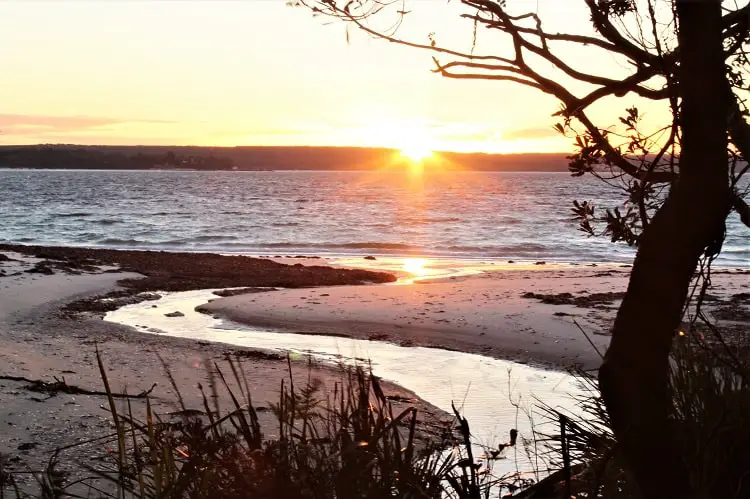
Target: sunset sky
[257, 72]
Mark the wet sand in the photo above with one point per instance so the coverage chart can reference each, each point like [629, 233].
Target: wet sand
[527, 315]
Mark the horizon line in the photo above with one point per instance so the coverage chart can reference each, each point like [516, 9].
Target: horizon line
[276, 146]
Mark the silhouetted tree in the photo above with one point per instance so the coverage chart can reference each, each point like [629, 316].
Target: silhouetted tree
[681, 180]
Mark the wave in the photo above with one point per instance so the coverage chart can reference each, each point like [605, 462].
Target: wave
[114, 241]
[107, 221]
[518, 252]
[166, 213]
[502, 250]
[232, 243]
[734, 249]
[363, 245]
[501, 220]
[506, 220]
[211, 238]
[434, 220]
[171, 243]
[71, 215]
[374, 245]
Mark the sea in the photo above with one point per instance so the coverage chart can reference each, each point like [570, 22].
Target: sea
[520, 216]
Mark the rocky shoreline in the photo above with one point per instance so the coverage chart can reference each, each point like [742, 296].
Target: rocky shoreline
[180, 271]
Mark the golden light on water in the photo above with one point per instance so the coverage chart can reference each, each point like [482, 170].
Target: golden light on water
[416, 266]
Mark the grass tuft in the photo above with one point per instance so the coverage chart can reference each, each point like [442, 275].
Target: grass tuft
[350, 443]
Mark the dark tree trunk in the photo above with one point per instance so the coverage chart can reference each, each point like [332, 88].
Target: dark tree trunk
[633, 377]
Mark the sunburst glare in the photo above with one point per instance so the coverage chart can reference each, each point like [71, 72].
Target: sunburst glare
[416, 152]
[416, 266]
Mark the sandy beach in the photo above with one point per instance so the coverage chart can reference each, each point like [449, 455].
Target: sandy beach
[52, 301]
[526, 313]
[41, 340]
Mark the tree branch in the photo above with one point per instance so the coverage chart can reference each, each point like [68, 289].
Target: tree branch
[605, 27]
[505, 23]
[339, 13]
[571, 102]
[739, 133]
[617, 159]
[543, 35]
[622, 87]
[442, 69]
[60, 385]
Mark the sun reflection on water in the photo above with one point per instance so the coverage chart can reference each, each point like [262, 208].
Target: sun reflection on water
[416, 266]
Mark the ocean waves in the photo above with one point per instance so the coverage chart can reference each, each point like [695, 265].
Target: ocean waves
[231, 244]
[508, 216]
[332, 245]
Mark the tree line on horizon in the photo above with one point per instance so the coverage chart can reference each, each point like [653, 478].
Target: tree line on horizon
[55, 157]
[64, 156]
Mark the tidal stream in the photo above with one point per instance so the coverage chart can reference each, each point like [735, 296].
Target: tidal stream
[494, 395]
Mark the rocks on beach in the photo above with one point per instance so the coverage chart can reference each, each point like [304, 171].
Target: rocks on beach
[168, 271]
[174, 271]
[240, 291]
[590, 300]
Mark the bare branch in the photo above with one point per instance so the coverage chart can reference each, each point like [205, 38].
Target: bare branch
[544, 36]
[617, 158]
[572, 104]
[443, 70]
[736, 16]
[605, 27]
[544, 52]
[339, 13]
[622, 87]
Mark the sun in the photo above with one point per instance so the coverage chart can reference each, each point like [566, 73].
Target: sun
[416, 152]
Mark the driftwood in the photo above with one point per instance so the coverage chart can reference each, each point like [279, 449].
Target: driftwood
[60, 385]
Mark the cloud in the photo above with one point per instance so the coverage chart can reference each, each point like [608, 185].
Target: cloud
[530, 133]
[25, 124]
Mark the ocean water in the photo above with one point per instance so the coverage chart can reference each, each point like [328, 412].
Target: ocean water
[468, 215]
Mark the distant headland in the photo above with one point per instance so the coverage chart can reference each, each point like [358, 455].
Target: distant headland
[249, 158]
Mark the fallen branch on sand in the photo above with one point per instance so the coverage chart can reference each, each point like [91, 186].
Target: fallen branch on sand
[60, 385]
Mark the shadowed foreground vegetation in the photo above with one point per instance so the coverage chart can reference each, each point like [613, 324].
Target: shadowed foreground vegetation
[351, 444]
[709, 419]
